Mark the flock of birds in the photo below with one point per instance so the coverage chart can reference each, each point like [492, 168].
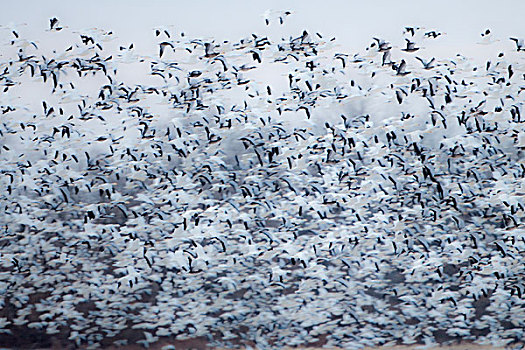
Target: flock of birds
[363, 199]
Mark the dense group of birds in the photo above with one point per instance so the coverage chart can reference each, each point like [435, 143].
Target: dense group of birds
[359, 199]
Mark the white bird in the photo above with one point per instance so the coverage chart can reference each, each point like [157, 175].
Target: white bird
[487, 38]
[520, 44]
[271, 15]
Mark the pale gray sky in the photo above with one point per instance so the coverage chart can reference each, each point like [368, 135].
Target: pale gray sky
[352, 22]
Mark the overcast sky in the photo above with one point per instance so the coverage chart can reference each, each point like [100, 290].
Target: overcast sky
[352, 22]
